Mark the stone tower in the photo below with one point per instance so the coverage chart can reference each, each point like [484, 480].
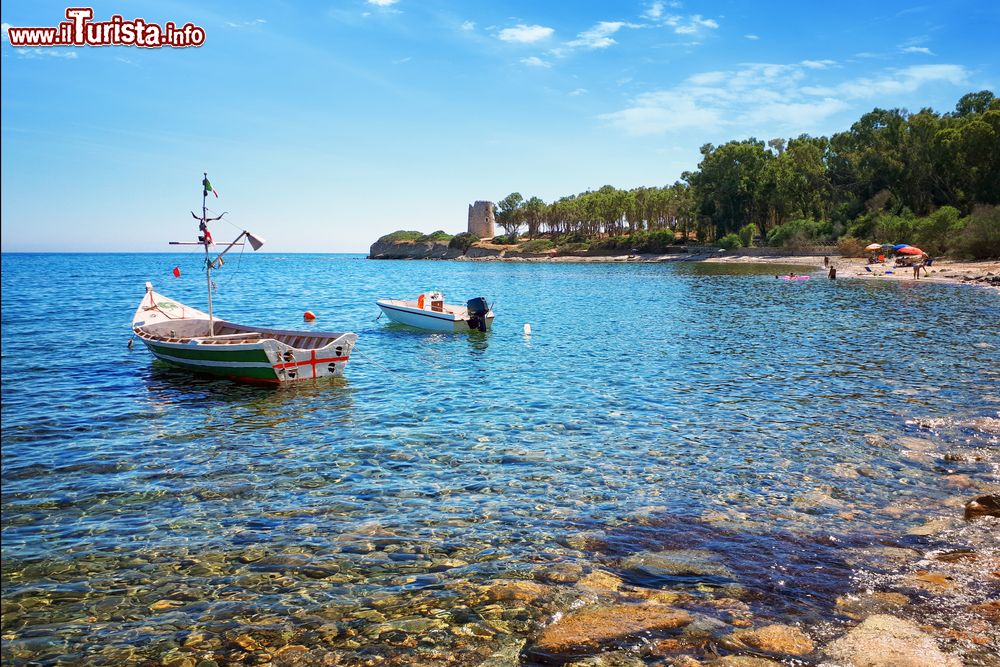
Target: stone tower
[481, 220]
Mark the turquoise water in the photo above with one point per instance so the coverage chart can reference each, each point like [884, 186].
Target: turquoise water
[654, 406]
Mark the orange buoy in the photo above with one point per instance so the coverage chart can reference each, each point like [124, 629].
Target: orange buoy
[309, 316]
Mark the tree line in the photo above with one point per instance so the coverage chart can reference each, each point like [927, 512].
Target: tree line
[890, 166]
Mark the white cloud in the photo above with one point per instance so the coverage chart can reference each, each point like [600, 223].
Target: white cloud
[918, 49]
[818, 64]
[31, 54]
[895, 82]
[764, 98]
[535, 61]
[468, 25]
[525, 34]
[752, 37]
[382, 3]
[598, 37]
[402, 61]
[5, 27]
[654, 11]
[690, 25]
[244, 24]
[578, 92]
[708, 78]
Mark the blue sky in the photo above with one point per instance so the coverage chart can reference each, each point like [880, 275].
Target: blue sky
[324, 126]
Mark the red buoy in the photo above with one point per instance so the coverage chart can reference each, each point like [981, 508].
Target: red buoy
[309, 316]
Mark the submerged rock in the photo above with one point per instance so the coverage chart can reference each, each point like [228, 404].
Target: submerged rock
[742, 661]
[587, 630]
[507, 654]
[930, 527]
[860, 607]
[518, 589]
[561, 573]
[875, 440]
[784, 639]
[887, 641]
[601, 581]
[676, 562]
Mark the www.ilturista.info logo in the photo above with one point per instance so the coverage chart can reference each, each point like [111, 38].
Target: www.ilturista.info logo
[80, 30]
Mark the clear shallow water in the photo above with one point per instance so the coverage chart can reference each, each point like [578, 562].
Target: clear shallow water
[654, 406]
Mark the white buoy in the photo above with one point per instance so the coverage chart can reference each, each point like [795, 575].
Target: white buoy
[527, 329]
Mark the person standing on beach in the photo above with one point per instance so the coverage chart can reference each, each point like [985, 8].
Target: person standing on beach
[916, 270]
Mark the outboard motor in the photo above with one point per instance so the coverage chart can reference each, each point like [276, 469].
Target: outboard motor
[478, 308]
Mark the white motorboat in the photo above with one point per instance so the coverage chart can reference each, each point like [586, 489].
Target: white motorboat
[430, 312]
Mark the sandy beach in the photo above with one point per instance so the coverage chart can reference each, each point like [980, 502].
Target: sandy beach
[941, 271]
[985, 273]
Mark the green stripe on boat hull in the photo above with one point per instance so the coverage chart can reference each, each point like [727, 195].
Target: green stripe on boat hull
[194, 353]
[250, 373]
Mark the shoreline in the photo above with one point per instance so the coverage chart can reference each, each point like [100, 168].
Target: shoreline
[943, 270]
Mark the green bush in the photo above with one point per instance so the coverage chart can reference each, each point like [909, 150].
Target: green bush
[731, 242]
[462, 241]
[746, 234]
[793, 234]
[656, 241]
[509, 239]
[641, 242]
[863, 227]
[979, 236]
[933, 233]
[537, 245]
[437, 237]
[575, 237]
[399, 236]
[572, 248]
[895, 228]
[612, 245]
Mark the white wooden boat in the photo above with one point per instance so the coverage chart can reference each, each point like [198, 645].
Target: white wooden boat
[197, 341]
[430, 312]
[179, 335]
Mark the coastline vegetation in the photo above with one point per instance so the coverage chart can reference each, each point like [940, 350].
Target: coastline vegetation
[402, 236]
[925, 178]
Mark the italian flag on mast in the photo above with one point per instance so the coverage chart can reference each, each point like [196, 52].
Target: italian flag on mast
[208, 187]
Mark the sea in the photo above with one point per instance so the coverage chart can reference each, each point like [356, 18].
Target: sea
[698, 429]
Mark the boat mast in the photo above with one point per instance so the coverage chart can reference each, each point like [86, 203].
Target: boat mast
[207, 240]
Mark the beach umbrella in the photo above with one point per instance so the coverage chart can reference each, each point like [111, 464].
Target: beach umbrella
[873, 246]
[900, 246]
[911, 250]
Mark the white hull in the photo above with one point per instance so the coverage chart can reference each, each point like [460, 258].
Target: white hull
[451, 319]
[179, 335]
